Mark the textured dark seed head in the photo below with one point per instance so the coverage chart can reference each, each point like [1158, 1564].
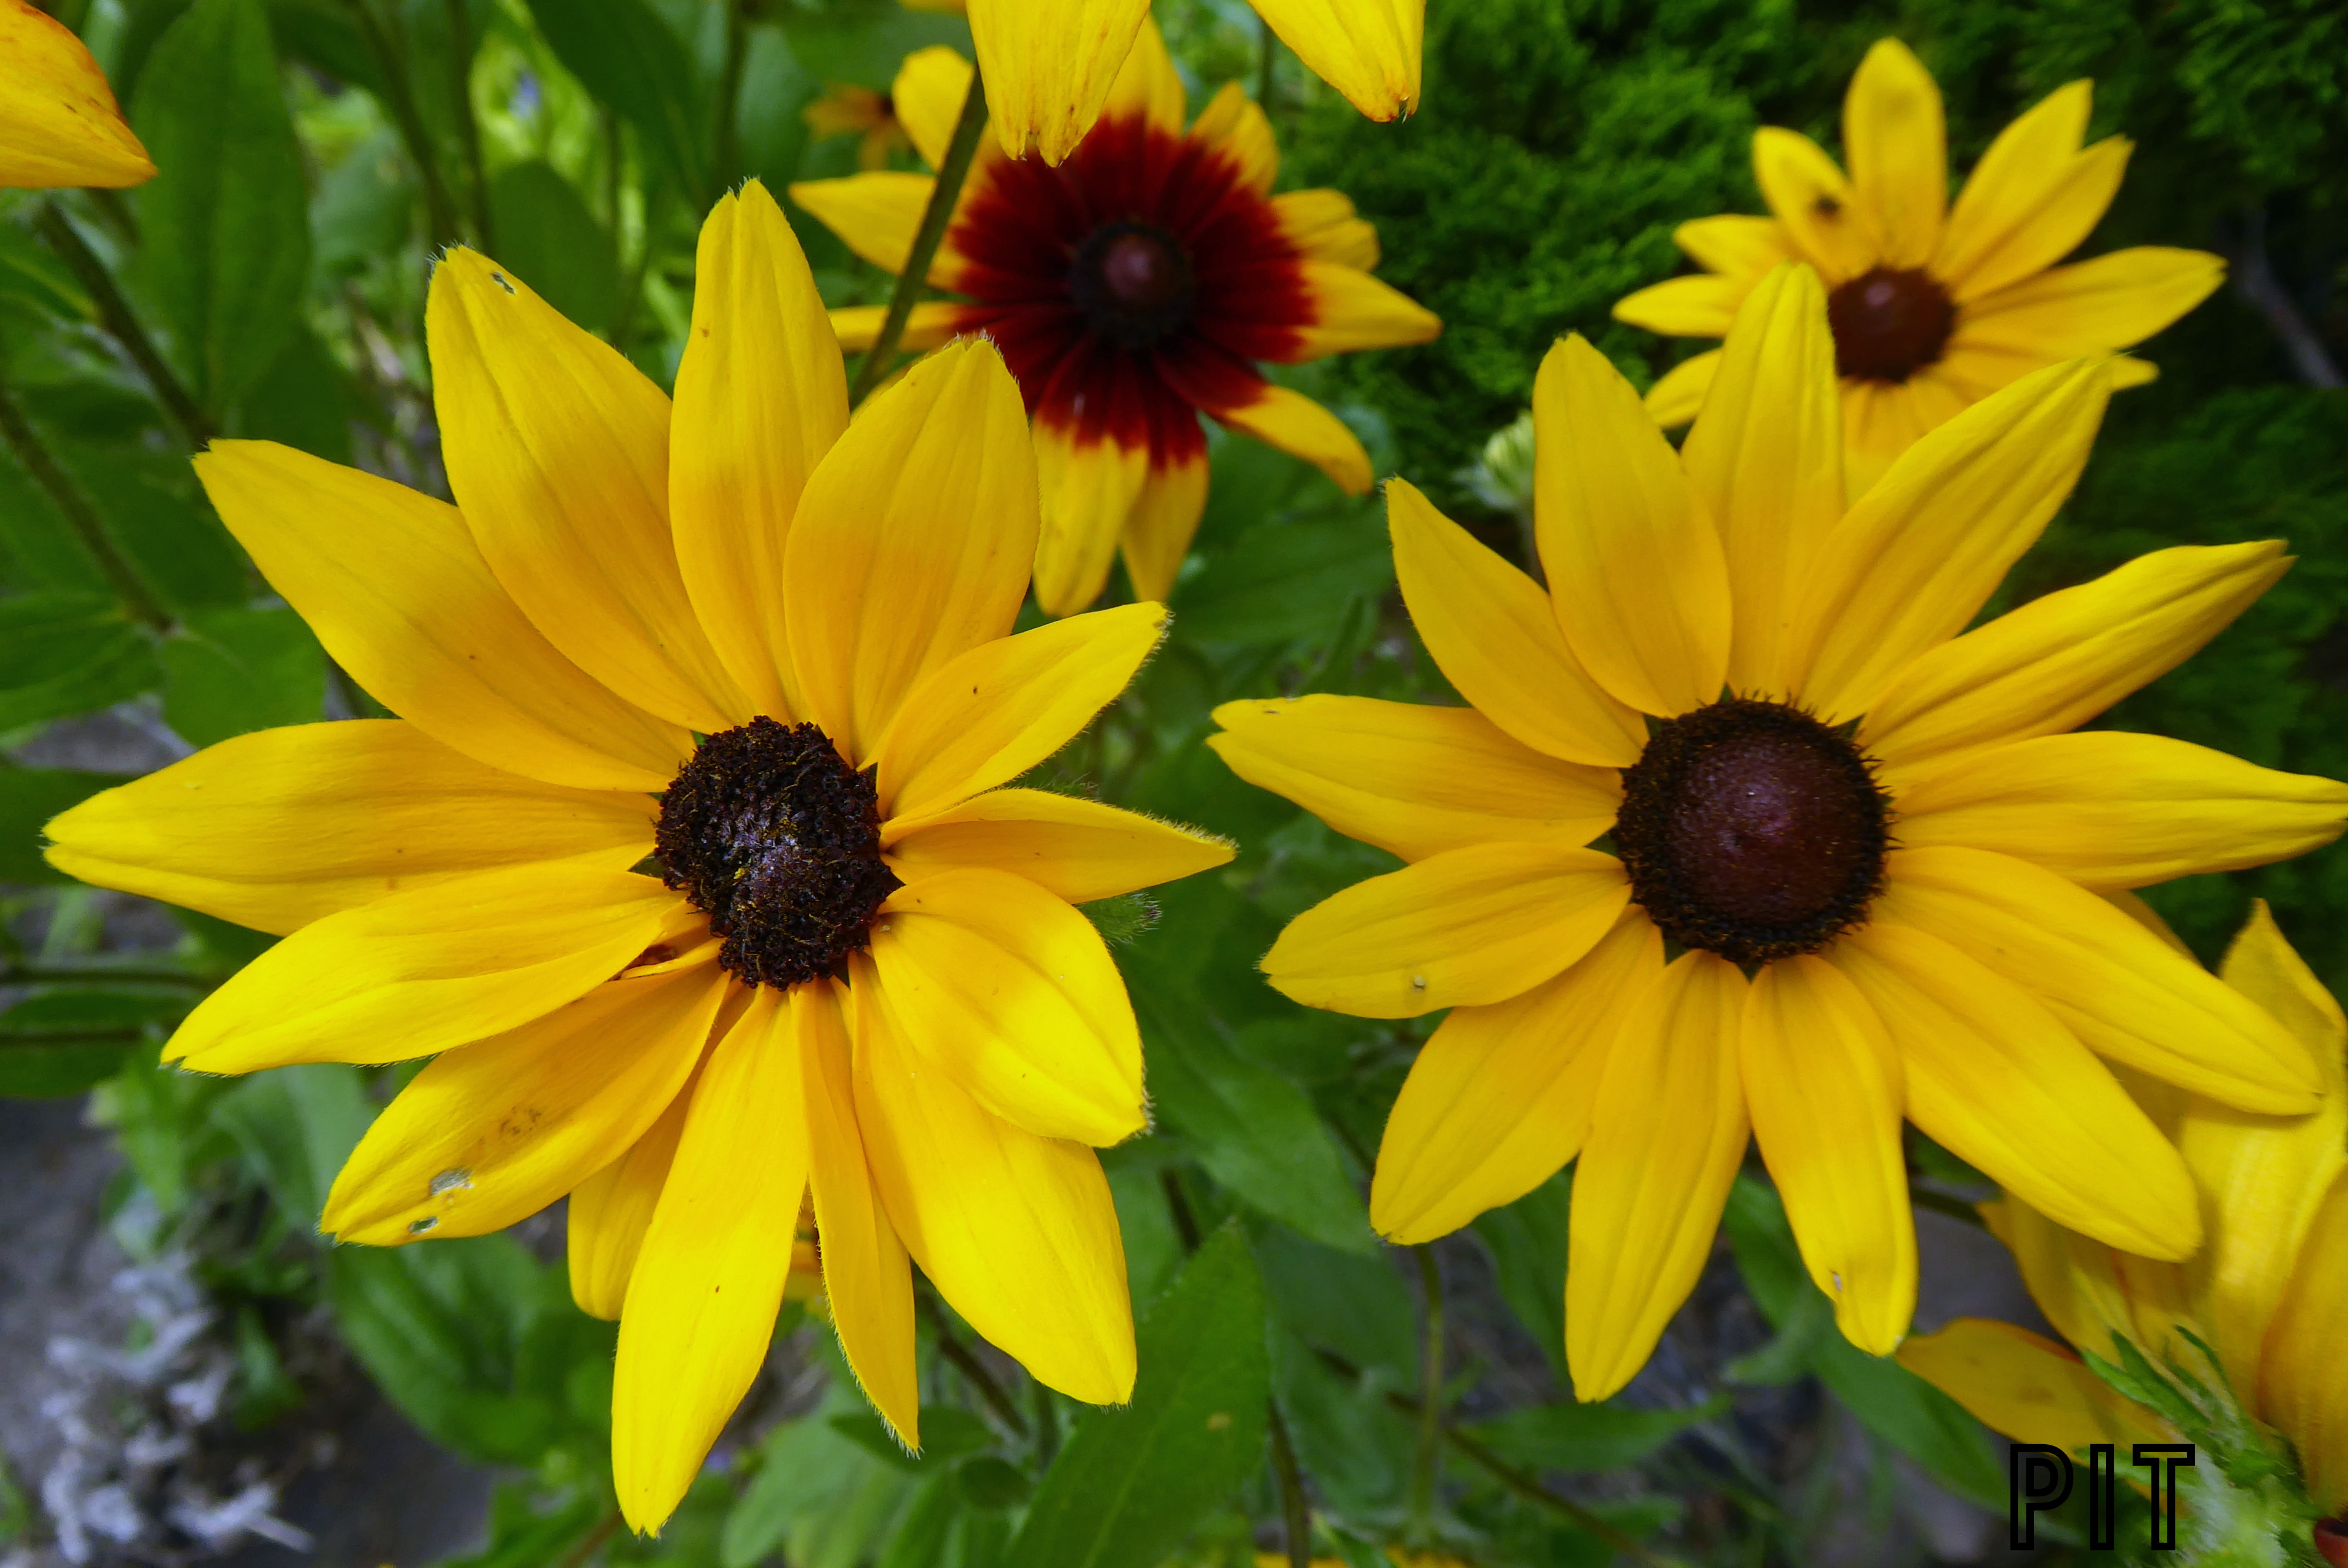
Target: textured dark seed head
[1753, 831]
[1133, 283]
[778, 841]
[1889, 324]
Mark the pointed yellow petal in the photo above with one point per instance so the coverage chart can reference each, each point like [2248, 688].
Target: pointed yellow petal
[2303, 1383]
[1699, 305]
[1893, 134]
[1636, 570]
[1079, 850]
[2116, 809]
[1147, 87]
[1352, 310]
[913, 541]
[1016, 1231]
[557, 450]
[927, 97]
[2031, 199]
[2074, 1279]
[1412, 779]
[1234, 124]
[1736, 245]
[1678, 396]
[1163, 521]
[760, 398]
[858, 327]
[1667, 1136]
[1366, 49]
[2116, 301]
[1492, 632]
[1013, 992]
[1502, 1096]
[876, 215]
[1301, 427]
[1823, 222]
[1464, 927]
[1996, 1079]
[611, 1210]
[1088, 486]
[59, 124]
[2028, 1388]
[1049, 64]
[1324, 224]
[1824, 1085]
[702, 1301]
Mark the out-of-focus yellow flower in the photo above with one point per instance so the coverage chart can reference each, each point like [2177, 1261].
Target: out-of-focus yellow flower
[59, 124]
[847, 109]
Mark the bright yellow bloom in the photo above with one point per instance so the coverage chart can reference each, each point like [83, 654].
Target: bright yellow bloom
[1809, 775]
[847, 109]
[1132, 289]
[2265, 1294]
[59, 124]
[772, 648]
[1933, 308]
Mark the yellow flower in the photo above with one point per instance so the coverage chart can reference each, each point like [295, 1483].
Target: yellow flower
[1132, 290]
[1050, 64]
[846, 109]
[2265, 1294]
[1933, 307]
[59, 121]
[1809, 777]
[772, 648]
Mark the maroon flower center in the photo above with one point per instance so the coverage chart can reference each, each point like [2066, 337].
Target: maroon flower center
[1751, 830]
[1889, 324]
[1133, 283]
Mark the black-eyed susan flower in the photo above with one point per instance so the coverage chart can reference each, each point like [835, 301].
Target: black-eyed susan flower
[59, 125]
[2263, 1297]
[1934, 306]
[688, 859]
[1865, 832]
[1132, 290]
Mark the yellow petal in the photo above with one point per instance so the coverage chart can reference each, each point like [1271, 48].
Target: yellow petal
[1818, 210]
[998, 710]
[1824, 1086]
[1698, 305]
[2302, 1386]
[1163, 521]
[2110, 809]
[2129, 371]
[1016, 1231]
[1147, 87]
[278, 829]
[1502, 1096]
[1464, 927]
[2060, 660]
[557, 450]
[927, 97]
[1734, 244]
[1920, 553]
[2076, 1280]
[490, 1135]
[1996, 1079]
[1049, 64]
[702, 1301]
[2028, 1388]
[1352, 310]
[2033, 197]
[1493, 634]
[913, 541]
[1324, 224]
[59, 124]
[1764, 464]
[1366, 49]
[1412, 779]
[2116, 301]
[1636, 570]
[1301, 427]
[760, 398]
[876, 215]
[1088, 484]
[1893, 134]
[1678, 395]
[1079, 850]
[1234, 124]
[858, 327]
[396, 590]
[421, 972]
[1667, 1136]
[610, 1211]
[1012, 992]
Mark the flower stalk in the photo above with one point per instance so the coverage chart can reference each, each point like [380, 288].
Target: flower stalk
[81, 513]
[116, 321]
[926, 239]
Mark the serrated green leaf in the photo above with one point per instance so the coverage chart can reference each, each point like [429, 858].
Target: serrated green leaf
[233, 671]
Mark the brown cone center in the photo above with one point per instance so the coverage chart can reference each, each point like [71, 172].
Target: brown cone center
[1889, 324]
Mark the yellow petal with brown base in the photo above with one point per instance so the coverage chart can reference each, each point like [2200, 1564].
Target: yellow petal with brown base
[1163, 521]
[1896, 141]
[1076, 849]
[2027, 1387]
[610, 1211]
[1088, 484]
[59, 125]
[1049, 66]
[1147, 87]
[1366, 49]
[1235, 124]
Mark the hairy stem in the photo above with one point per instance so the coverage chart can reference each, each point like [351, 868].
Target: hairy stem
[926, 239]
[80, 514]
[115, 319]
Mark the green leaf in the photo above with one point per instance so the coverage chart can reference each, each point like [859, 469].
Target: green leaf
[622, 52]
[225, 224]
[819, 1497]
[295, 1127]
[552, 243]
[920, 1539]
[1288, 580]
[159, 516]
[1527, 1242]
[987, 1481]
[65, 653]
[1133, 1481]
[364, 207]
[29, 797]
[301, 400]
[947, 1434]
[1588, 1437]
[236, 670]
[31, 274]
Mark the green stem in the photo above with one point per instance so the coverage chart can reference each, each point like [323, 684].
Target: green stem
[1048, 1425]
[1296, 1518]
[138, 601]
[1430, 1396]
[972, 1369]
[926, 239]
[726, 144]
[439, 212]
[1270, 52]
[115, 319]
[593, 1541]
[468, 129]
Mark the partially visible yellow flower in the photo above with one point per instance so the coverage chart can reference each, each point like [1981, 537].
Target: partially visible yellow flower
[1050, 64]
[847, 109]
[59, 124]
[2267, 1292]
[1933, 307]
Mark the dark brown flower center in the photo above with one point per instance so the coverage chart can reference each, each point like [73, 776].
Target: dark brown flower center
[1889, 324]
[1752, 830]
[1133, 283]
[777, 841]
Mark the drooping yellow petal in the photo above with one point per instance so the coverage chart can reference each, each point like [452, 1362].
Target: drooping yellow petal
[992, 980]
[1818, 210]
[2110, 809]
[1350, 310]
[1701, 304]
[1323, 223]
[1366, 49]
[2028, 1388]
[1996, 1079]
[991, 714]
[1235, 124]
[1413, 779]
[1636, 570]
[490, 1135]
[2031, 199]
[1502, 1096]
[59, 124]
[927, 97]
[1016, 1231]
[1920, 553]
[876, 215]
[1049, 64]
[1678, 395]
[702, 1300]
[1147, 87]
[1897, 142]
[1824, 1086]
[2114, 301]
[1735, 245]
[1079, 850]
[1667, 1136]
[2302, 1385]
[1286, 419]
[1462, 929]
[1493, 634]
[760, 398]
[858, 327]
[397, 590]
[1088, 486]
[913, 541]
[2077, 1282]
[433, 967]
[557, 450]
[610, 1211]
[1163, 521]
